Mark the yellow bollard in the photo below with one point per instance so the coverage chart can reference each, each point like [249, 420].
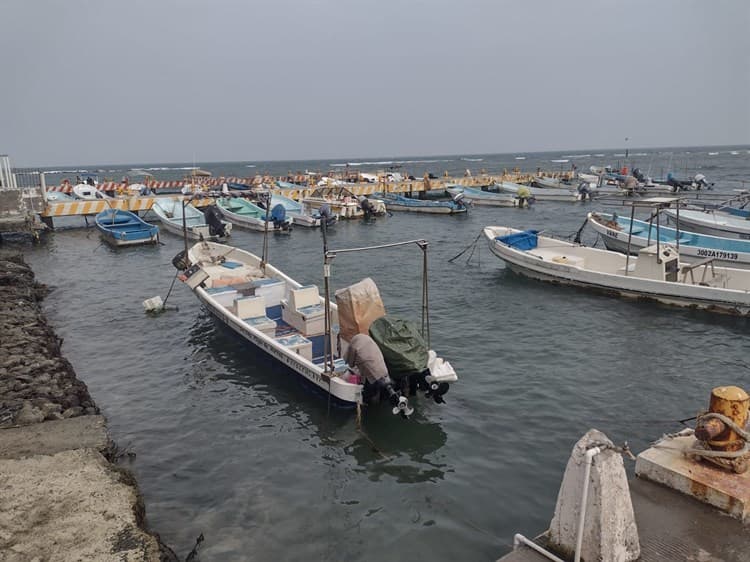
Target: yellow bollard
[732, 402]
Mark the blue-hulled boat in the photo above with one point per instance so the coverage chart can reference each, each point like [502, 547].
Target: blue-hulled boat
[123, 228]
[395, 202]
[694, 246]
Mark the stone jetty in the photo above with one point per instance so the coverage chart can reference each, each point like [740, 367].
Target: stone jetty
[62, 497]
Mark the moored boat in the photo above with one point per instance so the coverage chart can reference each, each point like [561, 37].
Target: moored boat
[713, 222]
[342, 202]
[296, 211]
[486, 198]
[557, 195]
[655, 274]
[181, 218]
[246, 214]
[288, 321]
[395, 202]
[123, 228]
[623, 234]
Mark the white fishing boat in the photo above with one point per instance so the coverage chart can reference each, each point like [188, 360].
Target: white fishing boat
[655, 274]
[342, 202]
[713, 222]
[289, 321]
[486, 198]
[621, 233]
[246, 214]
[88, 192]
[195, 224]
[540, 194]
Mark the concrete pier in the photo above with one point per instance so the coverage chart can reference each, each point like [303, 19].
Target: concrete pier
[61, 496]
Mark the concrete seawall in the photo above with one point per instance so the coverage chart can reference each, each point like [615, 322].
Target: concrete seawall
[62, 497]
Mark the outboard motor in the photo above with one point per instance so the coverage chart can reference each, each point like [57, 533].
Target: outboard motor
[216, 226]
[367, 207]
[326, 215]
[458, 199]
[637, 174]
[700, 182]
[584, 191]
[180, 261]
[278, 216]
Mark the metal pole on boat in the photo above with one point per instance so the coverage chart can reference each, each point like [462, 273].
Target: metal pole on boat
[327, 355]
[184, 204]
[677, 227]
[630, 237]
[423, 244]
[264, 259]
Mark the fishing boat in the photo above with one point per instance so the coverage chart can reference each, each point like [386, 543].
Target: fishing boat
[544, 182]
[246, 214]
[557, 195]
[297, 212]
[181, 218]
[655, 274]
[123, 228]
[619, 233]
[293, 323]
[395, 202]
[713, 222]
[486, 198]
[88, 192]
[342, 202]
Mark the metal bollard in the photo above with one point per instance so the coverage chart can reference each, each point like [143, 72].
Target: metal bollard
[732, 402]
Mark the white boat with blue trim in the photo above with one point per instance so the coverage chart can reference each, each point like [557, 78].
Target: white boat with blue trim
[655, 274]
[287, 321]
[618, 232]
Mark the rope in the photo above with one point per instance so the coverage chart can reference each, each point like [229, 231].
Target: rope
[467, 248]
[732, 460]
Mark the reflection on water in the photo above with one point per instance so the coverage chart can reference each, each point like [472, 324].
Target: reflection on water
[385, 444]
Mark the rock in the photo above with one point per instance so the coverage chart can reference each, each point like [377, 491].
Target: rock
[29, 414]
[72, 412]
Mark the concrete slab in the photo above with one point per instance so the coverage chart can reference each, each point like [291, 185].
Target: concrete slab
[50, 437]
[73, 505]
[672, 527]
[666, 463]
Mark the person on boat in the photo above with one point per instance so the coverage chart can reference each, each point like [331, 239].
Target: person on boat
[364, 355]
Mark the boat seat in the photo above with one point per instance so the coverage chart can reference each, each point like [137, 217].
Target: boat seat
[304, 311]
[252, 310]
[297, 343]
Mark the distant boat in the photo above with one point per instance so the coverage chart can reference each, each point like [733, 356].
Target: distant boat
[88, 192]
[559, 195]
[342, 202]
[170, 212]
[296, 211]
[395, 202]
[246, 214]
[123, 228]
[484, 198]
[617, 234]
[553, 183]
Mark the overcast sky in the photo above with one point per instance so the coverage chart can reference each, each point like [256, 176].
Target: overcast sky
[103, 81]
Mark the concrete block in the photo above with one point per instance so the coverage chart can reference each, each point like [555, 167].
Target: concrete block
[610, 531]
[50, 437]
[666, 463]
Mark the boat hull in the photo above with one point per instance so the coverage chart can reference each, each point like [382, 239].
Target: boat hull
[715, 224]
[714, 299]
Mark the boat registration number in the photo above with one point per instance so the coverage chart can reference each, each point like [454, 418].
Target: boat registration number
[612, 233]
[717, 254]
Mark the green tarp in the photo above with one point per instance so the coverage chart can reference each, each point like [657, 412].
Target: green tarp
[403, 347]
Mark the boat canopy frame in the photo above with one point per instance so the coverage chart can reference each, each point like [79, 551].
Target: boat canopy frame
[656, 204]
[330, 255]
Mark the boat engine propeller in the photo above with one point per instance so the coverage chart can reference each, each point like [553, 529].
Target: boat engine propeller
[402, 407]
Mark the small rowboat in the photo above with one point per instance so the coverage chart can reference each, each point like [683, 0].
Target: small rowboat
[123, 228]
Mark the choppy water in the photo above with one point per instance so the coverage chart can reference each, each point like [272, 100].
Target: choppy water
[231, 448]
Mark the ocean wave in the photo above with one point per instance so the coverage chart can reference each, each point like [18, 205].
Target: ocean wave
[577, 156]
[520, 158]
[715, 153]
[250, 166]
[599, 155]
[471, 159]
[388, 162]
[560, 160]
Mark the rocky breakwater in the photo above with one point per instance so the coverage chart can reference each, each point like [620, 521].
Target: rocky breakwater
[62, 498]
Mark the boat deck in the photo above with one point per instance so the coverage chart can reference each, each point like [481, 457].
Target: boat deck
[672, 526]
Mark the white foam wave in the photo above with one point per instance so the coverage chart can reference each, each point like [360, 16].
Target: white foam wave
[560, 160]
[599, 155]
[520, 158]
[577, 156]
[716, 153]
